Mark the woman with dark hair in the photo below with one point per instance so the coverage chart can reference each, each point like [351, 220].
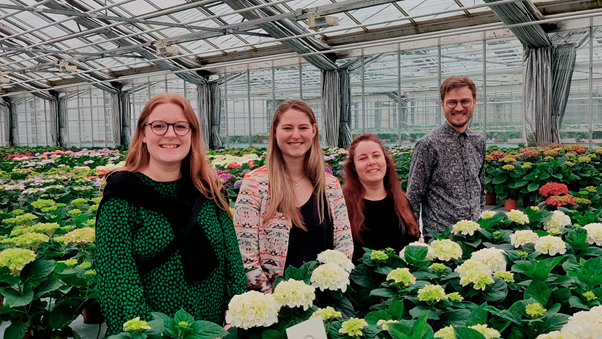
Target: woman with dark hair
[379, 211]
[164, 235]
[290, 210]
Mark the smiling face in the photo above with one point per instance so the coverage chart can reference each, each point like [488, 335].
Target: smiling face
[458, 116]
[168, 150]
[370, 163]
[294, 134]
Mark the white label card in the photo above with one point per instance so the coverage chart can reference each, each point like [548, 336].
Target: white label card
[309, 329]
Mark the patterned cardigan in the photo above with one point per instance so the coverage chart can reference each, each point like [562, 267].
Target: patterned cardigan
[264, 243]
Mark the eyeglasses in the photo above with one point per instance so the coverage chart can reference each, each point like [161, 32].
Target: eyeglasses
[453, 103]
[159, 127]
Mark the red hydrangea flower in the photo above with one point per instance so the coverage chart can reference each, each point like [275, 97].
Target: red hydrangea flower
[553, 188]
[577, 149]
[529, 152]
[497, 155]
[560, 200]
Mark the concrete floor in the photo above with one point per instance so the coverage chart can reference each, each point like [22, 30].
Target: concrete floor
[84, 330]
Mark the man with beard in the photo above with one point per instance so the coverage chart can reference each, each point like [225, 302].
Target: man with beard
[447, 178]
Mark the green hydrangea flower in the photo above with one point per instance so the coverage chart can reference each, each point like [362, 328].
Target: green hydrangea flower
[456, 297]
[523, 254]
[16, 258]
[136, 326]
[327, 313]
[75, 212]
[91, 222]
[535, 310]
[61, 205]
[27, 240]
[507, 276]
[379, 255]
[353, 327]
[96, 200]
[79, 202]
[69, 262]
[86, 265]
[17, 212]
[431, 294]
[93, 208]
[584, 159]
[90, 273]
[438, 267]
[49, 209]
[41, 203]
[401, 276]
[46, 228]
[59, 239]
[590, 296]
[25, 219]
[488, 333]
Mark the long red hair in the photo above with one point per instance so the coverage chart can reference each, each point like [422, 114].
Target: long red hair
[354, 192]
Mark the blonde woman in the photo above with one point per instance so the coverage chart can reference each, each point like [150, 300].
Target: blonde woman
[164, 236]
[290, 210]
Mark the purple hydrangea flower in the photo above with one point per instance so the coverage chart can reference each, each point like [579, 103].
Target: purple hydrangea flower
[328, 169]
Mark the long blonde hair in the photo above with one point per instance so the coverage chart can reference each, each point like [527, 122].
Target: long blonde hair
[202, 175]
[280, 182]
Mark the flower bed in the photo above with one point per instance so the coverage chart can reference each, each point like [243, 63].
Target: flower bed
[522, 274]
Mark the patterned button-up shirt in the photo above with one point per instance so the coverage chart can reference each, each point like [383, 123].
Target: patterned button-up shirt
[447, 178]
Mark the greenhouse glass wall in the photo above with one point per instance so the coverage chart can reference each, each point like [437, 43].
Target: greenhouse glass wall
[393, 85]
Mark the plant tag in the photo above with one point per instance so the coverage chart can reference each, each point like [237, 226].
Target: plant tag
[309, 329]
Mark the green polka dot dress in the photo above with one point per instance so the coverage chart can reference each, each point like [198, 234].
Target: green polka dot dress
[125, 232]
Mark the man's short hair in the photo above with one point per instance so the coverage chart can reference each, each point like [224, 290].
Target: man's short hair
[456, 82]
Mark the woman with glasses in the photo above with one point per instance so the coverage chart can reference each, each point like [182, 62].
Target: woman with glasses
[290, 210]
[164, 236]
[379, 211]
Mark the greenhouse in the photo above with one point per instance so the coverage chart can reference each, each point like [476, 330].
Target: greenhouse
[76, 76]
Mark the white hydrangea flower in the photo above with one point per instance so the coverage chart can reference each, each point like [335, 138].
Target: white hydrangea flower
[594, 233]
[555, 335]
[476, 273]
[487, 214]
[523, 237]
[384, 324]
[446, 250]
[295, 293]
[492, 257]
[558, 220]
[585, 324]
[252, 309]
[429, 255]
[330, 277]
[465, 227]
[550, 245]
[336, 257]
[518, 217]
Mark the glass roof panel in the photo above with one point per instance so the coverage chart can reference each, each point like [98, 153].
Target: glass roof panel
[138, 8]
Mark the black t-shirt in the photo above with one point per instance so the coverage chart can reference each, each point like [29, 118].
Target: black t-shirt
[304, 245]
[382, 229]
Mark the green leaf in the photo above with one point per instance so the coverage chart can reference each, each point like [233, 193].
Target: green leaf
[372, 318]
[37, 270]
[396, 309]
[496, 292]
[61, 316]
[182, 315]
[416, 256]
[456, 317]
[533, 187]
[577, 303]
[363, 276]
[499, 179]
[47, 286]
[467, 333]
[421, 327]
[577, 238]
[267, 334]
[383, 292]
[15, 298]
[590, 273]
[539, 291]
[16, 330]
[520, 183]
[478, 316]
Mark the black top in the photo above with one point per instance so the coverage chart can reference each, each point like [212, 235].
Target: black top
[304, 246]
[382, 229]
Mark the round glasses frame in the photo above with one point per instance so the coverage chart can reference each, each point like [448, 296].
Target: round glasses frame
[464, 102]
[154, 124]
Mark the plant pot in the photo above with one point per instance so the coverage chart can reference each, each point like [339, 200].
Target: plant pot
[92, 314]
[28, 334]
[510, 204]
[490, 198]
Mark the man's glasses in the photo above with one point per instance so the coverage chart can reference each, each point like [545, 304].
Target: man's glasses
[453, 103]
[159, 127]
